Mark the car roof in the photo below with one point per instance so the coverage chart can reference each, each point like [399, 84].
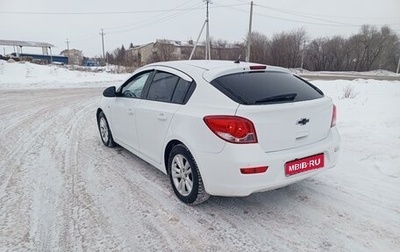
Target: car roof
[211, 69]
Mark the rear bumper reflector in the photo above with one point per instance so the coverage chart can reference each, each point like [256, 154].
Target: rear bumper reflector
[254, 170]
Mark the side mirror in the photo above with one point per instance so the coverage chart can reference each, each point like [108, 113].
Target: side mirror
[110, 92]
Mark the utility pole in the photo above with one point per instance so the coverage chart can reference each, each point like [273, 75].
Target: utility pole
[197, 41]
[208, 45]
[249, 36]
[302, 54]
[67, 44]
[102, 43]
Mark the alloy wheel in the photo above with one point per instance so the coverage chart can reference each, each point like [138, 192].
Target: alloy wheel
[104, 130]
[182, 175]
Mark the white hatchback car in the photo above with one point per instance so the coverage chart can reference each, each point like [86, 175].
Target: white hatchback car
[221, 127]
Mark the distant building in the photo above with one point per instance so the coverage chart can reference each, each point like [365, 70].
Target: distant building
[41, 59]
[45, 58]
[177, 50]
[75, 57]
[166, 50]
[141, 54]
[163, 50]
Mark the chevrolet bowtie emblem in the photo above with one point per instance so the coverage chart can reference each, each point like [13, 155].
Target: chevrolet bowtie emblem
[303, 121]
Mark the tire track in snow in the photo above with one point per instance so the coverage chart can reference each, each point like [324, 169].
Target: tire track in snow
[75, 161]
[35, 136]
[18, 148]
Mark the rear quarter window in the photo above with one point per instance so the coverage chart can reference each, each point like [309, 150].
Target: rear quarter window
[181, 91]
[256, 88]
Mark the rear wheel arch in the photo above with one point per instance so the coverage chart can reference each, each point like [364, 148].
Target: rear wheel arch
[167, 152]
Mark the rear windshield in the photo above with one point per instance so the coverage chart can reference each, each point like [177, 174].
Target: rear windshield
[255, 88]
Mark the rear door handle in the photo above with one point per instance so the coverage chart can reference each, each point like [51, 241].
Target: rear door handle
[162, 117]
[130, 112]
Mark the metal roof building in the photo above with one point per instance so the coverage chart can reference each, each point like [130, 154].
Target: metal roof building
[18, 45]
[24, 43]
[46, 48]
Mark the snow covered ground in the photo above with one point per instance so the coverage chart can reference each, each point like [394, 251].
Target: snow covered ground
[26, 75]
[62, 190]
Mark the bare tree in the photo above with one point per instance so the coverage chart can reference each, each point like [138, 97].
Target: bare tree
[382, 43]
[334, 53]
[286, 48]
[297, 39]
[218, 47]
[371, 48]
[391, 53]
[259, 48]
[315, 55]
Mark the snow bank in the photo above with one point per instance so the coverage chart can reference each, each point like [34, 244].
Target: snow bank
[370, 122]
[21, 75]
[373, 73]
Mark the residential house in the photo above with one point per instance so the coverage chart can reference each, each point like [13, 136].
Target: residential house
[141, 54]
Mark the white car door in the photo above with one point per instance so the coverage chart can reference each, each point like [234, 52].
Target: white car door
[154, 114]
[123, 111]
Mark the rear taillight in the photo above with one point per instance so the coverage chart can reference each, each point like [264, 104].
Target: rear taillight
[333, 121]
[233, 129]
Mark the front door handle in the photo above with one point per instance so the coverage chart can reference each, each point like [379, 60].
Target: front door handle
[130, 112]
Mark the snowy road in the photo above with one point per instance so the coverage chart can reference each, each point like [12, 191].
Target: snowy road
[62, 190]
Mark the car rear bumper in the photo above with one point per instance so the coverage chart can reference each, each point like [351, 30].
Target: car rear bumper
[221, 172]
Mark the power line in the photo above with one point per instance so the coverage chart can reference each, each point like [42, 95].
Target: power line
[143, 23]
[303, 15]
[107, 12]
[324, 22]
[305, 22]
[325, 16]
[292, 20]
[89, 13]
[149, 21]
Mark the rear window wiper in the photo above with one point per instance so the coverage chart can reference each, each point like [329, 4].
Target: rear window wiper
[278, 98]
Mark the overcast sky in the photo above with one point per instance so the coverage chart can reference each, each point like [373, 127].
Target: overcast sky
[140, 22]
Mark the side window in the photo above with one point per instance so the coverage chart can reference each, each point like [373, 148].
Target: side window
[135, 86]
[181, 91]
[162, 87]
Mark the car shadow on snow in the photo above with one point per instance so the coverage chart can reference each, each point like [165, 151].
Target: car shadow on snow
[284, 198]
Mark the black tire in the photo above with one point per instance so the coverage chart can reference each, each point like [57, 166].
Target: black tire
[104, 130]
[185, 177]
